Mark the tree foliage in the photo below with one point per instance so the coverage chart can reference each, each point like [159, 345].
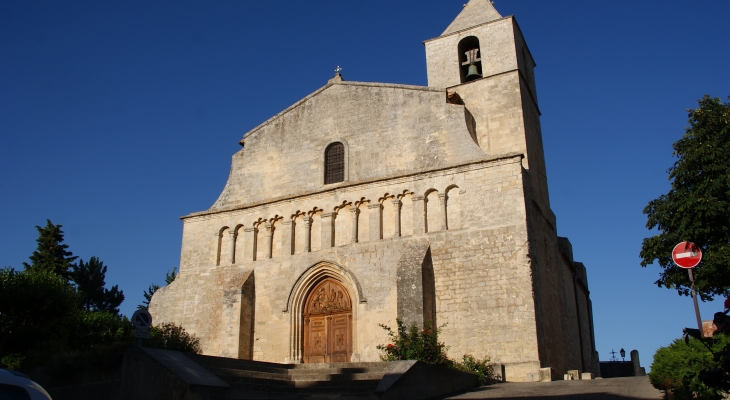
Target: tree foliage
[677, 367]
[413, 343]
[55, 306]
[697, 207]
[37, 309]
[90, 279]
[52, 254]
[172, 337]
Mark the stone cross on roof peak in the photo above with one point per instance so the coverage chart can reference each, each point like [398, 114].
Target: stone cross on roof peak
[337, 77]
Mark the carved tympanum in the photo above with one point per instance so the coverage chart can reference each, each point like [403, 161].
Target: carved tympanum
[328, 297]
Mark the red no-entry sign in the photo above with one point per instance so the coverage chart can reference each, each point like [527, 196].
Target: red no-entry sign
[686, 255]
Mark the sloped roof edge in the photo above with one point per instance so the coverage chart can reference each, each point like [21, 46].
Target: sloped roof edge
[328, 85]
[466, 29]
[475, 12]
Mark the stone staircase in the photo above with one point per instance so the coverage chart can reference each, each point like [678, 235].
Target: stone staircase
[262, 380]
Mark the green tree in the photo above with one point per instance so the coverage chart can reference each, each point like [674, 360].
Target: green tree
[90, 280]
[51, 254]
[697, 207]
[169, 277]
[677, 367]
[38, 310]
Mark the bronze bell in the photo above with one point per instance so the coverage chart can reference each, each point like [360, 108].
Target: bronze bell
[472, 73]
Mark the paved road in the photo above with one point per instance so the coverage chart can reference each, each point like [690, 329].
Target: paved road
[597, 389]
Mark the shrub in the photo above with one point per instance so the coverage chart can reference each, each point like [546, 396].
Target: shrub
[677, 367]
[484, 368]
[12, 361]
[413, 343]
[169, 336]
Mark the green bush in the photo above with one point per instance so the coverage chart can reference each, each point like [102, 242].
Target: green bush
[172, 337]
[414, 343]
[677, 367]
[37, 309]
[12, 361]
[483, 368]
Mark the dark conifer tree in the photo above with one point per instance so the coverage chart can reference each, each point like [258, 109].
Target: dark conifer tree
[90, 281]
[52, 254]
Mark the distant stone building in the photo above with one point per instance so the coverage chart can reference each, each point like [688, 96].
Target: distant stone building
[367, 202]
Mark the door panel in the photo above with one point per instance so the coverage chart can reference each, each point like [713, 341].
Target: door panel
[317, 340]
[339, 336]
[327, 324]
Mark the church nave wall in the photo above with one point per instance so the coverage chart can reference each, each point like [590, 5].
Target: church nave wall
[468, 196]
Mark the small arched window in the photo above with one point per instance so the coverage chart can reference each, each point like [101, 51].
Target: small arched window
[334, 163]
[470, 61]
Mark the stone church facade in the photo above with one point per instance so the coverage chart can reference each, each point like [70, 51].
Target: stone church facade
[430, 205]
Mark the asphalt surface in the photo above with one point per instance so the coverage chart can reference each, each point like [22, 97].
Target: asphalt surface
[604, 389]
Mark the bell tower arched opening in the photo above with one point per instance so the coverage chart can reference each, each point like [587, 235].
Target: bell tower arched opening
[327, 316]
[470, 62]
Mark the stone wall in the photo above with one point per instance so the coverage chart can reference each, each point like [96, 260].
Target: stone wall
[481, 274]
[387, 130]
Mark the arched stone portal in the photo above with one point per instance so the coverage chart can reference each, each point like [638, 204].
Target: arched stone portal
[299, 298]
[327, 318]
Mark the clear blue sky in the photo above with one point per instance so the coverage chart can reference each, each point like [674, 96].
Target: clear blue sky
[117, 117]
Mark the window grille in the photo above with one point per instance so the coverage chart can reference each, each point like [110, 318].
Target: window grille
[334, 163]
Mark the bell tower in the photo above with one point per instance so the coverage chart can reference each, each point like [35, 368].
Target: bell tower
[483, 58]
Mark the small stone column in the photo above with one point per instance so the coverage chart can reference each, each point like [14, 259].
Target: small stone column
[419, 215]
[218, 246]
[375, 217]
[442, 200]
[287, 238]
[232, 246]
[355, 214]
[307, 234]
[328, 230]
[269, 239]
[396, 209]
[252, 235]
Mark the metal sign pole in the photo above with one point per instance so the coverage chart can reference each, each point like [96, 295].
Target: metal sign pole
[694, 297]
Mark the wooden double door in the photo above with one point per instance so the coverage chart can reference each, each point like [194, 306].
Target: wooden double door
[328, 324]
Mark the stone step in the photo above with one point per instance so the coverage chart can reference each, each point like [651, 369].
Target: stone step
[372, 366]
[231, 372]
[278, 385]
[306, 375]
[337, 377]
[245, 394]
[263, 380]
[248, 365]
[343, 387]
